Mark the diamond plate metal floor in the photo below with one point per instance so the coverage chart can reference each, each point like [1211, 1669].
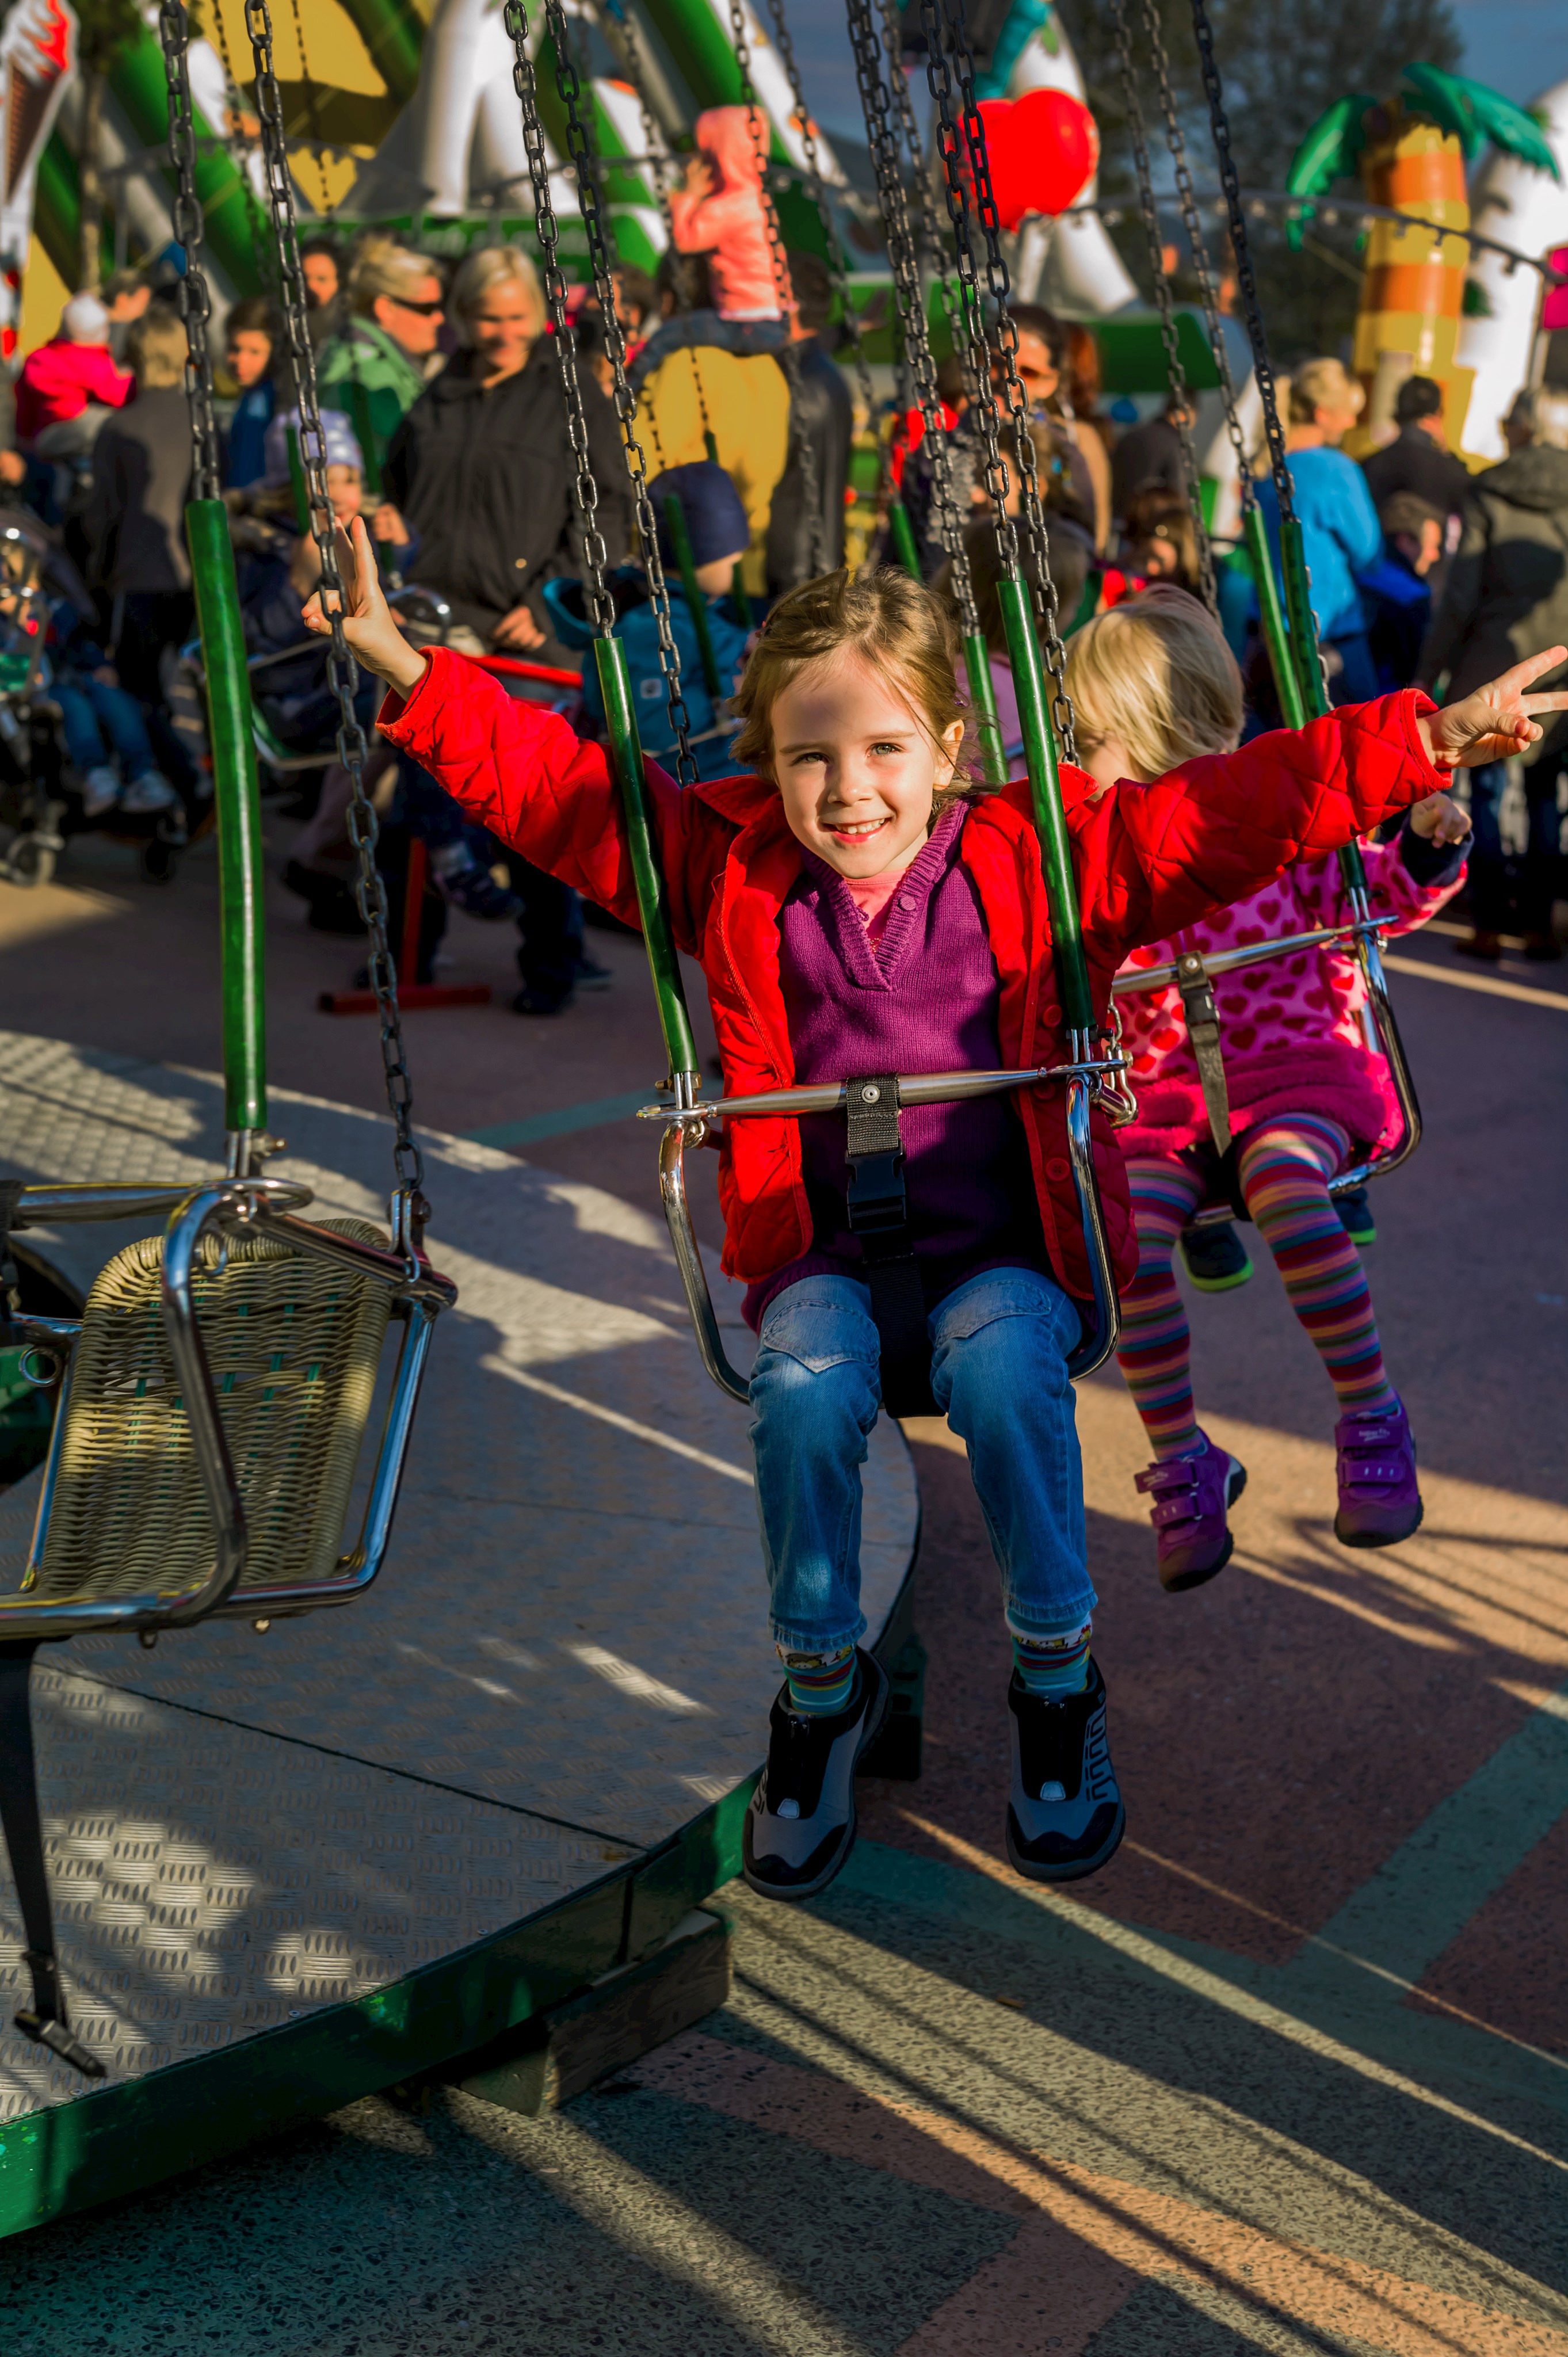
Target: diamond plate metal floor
[563, 1661]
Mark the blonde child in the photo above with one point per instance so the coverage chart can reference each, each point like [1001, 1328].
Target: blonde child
[1154, 684]
[859, 907]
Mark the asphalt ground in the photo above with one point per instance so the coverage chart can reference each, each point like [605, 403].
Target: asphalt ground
[1292, 2074]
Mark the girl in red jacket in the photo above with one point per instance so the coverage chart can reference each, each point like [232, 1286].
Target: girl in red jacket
[1152, 684]
[857, 905]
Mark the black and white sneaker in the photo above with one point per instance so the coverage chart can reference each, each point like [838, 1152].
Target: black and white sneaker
[800, 1827]
[1067, 1815]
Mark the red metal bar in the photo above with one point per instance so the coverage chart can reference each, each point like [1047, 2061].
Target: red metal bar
[410, 992]
[514, 667]
[412, 909]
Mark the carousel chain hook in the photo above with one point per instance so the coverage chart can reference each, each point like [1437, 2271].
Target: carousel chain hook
[944, 32]
[789, 358]
[816, 188]
[195, 302]
[342, 672]
[1174, 372]
[579, 157]
[867, 52]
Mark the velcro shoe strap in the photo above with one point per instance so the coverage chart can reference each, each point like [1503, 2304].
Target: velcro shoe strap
[1365, 1469]
[1174, 1510]
[1181, 1473]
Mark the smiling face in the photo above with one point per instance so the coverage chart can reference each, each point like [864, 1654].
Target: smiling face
[856, 766]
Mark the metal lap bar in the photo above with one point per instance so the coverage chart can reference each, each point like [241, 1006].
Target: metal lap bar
[1163, 977]
[685, 1124]
[248, 1207]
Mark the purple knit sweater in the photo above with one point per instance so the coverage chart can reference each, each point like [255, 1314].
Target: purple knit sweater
[922, 998]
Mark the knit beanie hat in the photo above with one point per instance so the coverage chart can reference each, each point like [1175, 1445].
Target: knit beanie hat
[342, 445]
[84, 320]
[717, 522]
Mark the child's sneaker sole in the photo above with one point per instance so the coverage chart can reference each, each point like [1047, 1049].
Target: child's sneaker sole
[1380, 1538]
[1072, 1869]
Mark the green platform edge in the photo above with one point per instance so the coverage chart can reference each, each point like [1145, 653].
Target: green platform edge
[104, 2147]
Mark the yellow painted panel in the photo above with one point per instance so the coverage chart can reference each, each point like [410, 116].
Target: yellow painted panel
[331, 53]
[44, 296]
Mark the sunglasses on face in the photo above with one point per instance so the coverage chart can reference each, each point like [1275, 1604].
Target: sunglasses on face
[425, 310]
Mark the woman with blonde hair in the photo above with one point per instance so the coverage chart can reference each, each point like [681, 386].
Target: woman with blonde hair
[1341, 532]
[390, 346]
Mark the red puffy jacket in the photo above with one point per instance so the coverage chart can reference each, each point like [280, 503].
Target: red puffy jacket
[1149, 860]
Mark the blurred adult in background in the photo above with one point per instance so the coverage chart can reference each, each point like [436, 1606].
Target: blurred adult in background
[1079, 402]
[1418, 459]
[1339, 527]
[135, 524]
[821, 418]
[1148, 456]
[126, 297]
[482, 467]
[75, 367]
[250, 338]
[1506, 598]
[388, 347]
[1396, 591]
[325, 312]
[1160, 538]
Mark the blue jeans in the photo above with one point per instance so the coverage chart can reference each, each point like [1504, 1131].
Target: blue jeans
[999, 1349]
[1539, 871]
[91, 711]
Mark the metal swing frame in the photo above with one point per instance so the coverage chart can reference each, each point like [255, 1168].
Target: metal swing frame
[687, 1112]
[1289, 632]
[244, 1204]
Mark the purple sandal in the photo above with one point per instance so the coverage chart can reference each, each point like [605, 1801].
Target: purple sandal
[1191, 1494]
[1379, 1500]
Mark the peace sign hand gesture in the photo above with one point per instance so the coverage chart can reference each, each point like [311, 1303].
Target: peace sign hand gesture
[1496, 721]
[373, 637]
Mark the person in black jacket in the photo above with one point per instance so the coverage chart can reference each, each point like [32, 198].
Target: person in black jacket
[822, 413]
[135, 524]
[1419, 458]
[481, 467]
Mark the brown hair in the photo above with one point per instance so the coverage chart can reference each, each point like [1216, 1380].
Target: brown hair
[1070, 556]
[892, 623]
[254, 317]
[155, 347]
[1156, 672]
[1155, 514]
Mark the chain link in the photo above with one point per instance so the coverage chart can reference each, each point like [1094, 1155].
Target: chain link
[816, 188]
[601, 606]
[1176, 373]
[789, 358]
[1176, 142]
[867, 52]
[195, 302]
[1257, 336]
[342, 672]
[942, 33]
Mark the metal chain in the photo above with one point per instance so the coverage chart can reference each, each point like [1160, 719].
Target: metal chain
[816, 188]
[1180, 393]
[928, 233]
[601, 603]
[1176, 142]
[342, 672]
[943, 32]
[1257, 336]
[195, 302]
[867, 52]
[789, 358]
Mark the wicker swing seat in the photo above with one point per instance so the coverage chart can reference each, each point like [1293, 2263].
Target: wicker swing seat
[213, 1403]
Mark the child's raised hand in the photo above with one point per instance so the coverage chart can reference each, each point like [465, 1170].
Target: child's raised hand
[1439, 819]
[374, 637]
[1494, 722]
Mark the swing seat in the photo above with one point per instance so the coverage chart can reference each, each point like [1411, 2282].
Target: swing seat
[213, 1402]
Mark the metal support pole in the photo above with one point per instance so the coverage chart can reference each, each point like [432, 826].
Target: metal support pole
[1277, 637]
[237, 801]
[1051, 819]
[983, 703]
[647, 875]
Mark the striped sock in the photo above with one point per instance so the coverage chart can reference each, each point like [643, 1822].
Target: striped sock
[1284, 1171]
[820, 1684]
[1054, 1663]
[1155, 1354]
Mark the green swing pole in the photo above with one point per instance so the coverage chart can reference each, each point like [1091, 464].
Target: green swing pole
[298, 484]
[904, 538]
[983, 703]
[1046, 796]
[359, 401]
[686, 566]
[1277, 637]
[1309, 675]
[646, 874]
[237, 801]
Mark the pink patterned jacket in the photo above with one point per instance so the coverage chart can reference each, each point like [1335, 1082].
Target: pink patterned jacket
[1290, 1029]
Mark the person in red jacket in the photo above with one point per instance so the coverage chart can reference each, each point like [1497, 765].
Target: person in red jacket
[75, 367]
[857, 903]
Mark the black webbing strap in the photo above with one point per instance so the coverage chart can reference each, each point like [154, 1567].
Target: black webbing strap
[24, 1832]
[879, 1216]
[10, 1196]
[1196, 987]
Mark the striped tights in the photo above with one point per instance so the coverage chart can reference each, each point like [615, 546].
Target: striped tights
[1284, 1170]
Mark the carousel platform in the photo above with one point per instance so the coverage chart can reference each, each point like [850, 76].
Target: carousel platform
[295, 1866]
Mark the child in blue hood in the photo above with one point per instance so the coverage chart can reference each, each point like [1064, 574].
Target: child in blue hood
[717, 529]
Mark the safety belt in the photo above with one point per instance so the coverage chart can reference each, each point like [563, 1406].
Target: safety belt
[1196, 987]
[879, 1215]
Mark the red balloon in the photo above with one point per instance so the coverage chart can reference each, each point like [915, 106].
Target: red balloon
[1044, 150]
